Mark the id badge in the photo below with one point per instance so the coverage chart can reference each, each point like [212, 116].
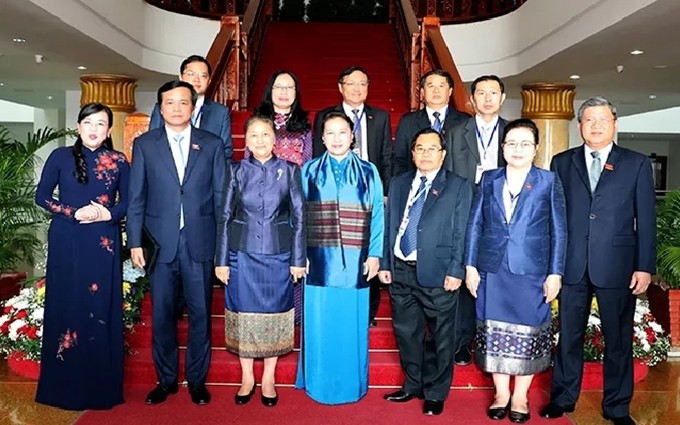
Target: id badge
[478, 174]
[402, 226]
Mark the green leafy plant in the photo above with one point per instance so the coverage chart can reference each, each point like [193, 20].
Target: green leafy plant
[668, 240]
[19, 215]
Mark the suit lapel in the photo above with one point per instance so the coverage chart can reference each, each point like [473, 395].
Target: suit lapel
[529, 185]
[206, 110]
[403, 195]
[164, 152]
[435, 190]
[498, 192]
[370, 132]
[579, 161]
[609, 167]
[194, 151]
[471, 139]
[501, 130]
[423, 120]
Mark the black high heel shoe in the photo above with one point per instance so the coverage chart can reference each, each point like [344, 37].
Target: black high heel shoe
[498, 413]
[519, 417]
[243, 399]
[270, 401]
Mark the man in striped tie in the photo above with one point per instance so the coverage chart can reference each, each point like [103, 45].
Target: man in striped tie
[425, 224]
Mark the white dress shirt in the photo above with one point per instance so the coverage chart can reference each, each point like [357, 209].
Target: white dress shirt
[604, 154]
[442, 115]
[363, 143]
[181, 156]
[488, 152]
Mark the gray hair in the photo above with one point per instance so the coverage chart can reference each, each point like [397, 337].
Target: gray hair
[595, 101]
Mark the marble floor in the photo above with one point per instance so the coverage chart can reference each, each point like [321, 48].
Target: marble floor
[656, 401]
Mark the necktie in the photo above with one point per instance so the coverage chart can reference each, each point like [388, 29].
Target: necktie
[437, 125]
[595, 170]
[409, 240]
[195, 117]
[180, 164]
[357, 131]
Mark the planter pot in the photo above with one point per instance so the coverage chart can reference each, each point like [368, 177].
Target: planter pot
[592, 374]
[9, 284]
[23, 367]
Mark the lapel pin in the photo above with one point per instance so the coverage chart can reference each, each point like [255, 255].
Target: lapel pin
[609, 167]
[196, 147]
[435, 192]
[528, 186]
[279, 173]
[370, 117]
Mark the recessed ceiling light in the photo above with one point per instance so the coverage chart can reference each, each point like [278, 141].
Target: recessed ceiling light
[49, 98]
[82, 68]
[19, 40]
[2, 84]
[652, 96]
[660, 66]
[636, 52]
[574, 77]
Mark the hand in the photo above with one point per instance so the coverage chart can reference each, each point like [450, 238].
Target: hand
[551, 287]
[298, 273]
[452, 283]
[137, 257]
[103, 213]
[222, 273]
[640, 282]
[371, 267]
[385, 276]
[472, 279]
[86, 214]
[307, 268]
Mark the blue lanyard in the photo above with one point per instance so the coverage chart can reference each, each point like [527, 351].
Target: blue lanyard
[357, 126]
[479, 137]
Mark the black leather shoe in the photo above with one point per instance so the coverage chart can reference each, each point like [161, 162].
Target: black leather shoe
[400, 396]
[463, 357]
[433, 407]
[623, 420]
[160, 393]
[552, 410]
[199, 394]
[243, 399]
[518, 417]
[372, 323]
[498, 413]
[270, 401]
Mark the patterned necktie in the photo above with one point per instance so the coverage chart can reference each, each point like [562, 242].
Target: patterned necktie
[357, 131]
[180, 164]
[595, 170]
[409, 240]
[437, 125]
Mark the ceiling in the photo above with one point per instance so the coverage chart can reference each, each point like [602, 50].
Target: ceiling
[654, 29]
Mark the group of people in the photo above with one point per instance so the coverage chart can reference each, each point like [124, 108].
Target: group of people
[472, 239]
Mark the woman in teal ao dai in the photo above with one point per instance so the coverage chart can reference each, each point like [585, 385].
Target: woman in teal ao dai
[345, 230]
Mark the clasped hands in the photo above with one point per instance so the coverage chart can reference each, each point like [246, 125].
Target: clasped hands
[92, 213]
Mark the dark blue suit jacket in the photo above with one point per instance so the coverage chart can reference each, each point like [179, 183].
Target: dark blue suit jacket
[441, 230]
[534, 240]
[156, 194]
[612, 231]
[214, 119]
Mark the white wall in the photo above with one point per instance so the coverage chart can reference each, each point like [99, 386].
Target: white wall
[663, 121]
[14, 112]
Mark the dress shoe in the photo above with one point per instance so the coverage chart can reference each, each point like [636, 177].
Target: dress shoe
[160, 393]
[498, 413]
[433, 407]
[519, 417]
[270, 401]
[463, 357]
[199, 394]
[243, 399]
[400, 396]
[623, 420]
[552, 410]
[372, 323]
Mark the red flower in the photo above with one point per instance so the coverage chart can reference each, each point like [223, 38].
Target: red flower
[94, 288]
[32, 332]
[105, 160]
[74, 335]
[21, 314]
[7, 309]
[103, 199]
[40, 283]
[68, 211]
[4, 329]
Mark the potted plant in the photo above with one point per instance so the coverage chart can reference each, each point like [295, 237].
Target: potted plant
[664, 295]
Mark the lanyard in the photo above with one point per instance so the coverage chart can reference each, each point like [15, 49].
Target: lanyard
[357, 125]
[481, 140]
[415, 197]
[197, 119]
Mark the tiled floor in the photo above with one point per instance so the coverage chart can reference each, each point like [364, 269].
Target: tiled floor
[656, 402]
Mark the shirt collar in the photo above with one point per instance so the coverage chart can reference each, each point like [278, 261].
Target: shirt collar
[483, 124]
[348, 110]
[429, 176]
[186, 133]
[442, 112]
[604, 152]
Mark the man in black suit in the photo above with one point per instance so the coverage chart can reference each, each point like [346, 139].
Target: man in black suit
[425, 224]
[436, 88]
[474, 145]
[373, 135]
[611, 253]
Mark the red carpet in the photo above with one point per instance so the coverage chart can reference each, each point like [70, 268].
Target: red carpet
[295, 407]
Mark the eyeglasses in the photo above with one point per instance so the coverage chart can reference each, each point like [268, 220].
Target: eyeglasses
[419, 150]
[590, 121]
[353, 84]
[192, 74]
[283, 88]
[523, 145]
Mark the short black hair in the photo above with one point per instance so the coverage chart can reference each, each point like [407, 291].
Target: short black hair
[491, 77]
[345, 72]
[439, 72]
[261, 118]
[521, 123]
[337, 114]
[192, 59]
[173, 84]
[428, 130]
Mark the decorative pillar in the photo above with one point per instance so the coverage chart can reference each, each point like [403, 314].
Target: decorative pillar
[551, 107]
[115, 91]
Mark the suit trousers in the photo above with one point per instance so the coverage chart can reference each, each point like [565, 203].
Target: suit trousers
[193, 280]
[374, 298]
[616, 307]
[466, 322]
[424, 321]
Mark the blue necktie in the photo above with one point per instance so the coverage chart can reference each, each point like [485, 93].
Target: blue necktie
[409, 240]
[357, 132]
[437, 125]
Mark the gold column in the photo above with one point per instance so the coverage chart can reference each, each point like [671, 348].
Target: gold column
[115, 91]
[551, 107]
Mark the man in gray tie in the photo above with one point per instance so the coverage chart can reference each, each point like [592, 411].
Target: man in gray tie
[425, 224]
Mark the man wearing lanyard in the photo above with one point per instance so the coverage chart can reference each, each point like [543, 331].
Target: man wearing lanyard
[208, 115]
[373, 135]
[475, 146]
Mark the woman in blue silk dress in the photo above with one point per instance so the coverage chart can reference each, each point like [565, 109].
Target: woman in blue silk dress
[515, 254]
[82, 343]
[260, 253]
[345, 228]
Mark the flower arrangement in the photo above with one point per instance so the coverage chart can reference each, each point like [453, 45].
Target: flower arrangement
[135, 285]
[650, 344]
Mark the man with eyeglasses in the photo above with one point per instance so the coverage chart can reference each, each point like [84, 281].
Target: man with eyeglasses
[207, 115]
[436, 88]
[373, 136]
[425, 225]
[475, 146]
[611, 253]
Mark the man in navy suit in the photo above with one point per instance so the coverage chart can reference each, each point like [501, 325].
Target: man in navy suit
[177, 183]
[373, 136]
[425, 224]
[436, 88]
[208, 115]
[611, 253]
